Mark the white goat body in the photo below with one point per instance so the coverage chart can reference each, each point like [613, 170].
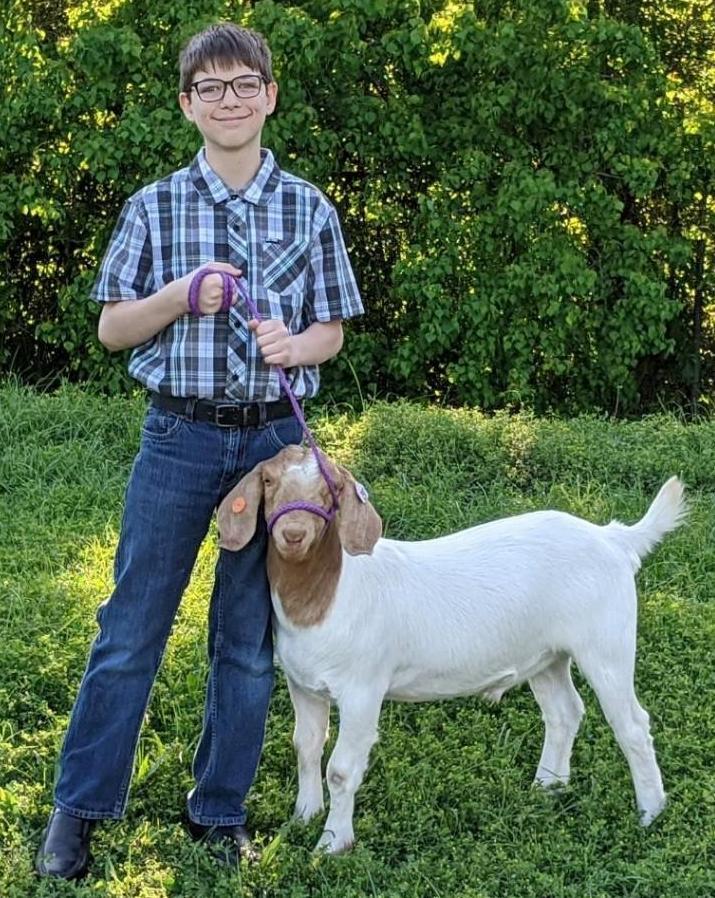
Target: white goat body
[476, 612]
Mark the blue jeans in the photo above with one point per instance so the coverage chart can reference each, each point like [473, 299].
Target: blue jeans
[182, 472]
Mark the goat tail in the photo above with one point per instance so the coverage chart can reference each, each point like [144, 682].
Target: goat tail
[667, 511]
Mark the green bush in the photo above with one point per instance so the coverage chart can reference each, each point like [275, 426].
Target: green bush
[525, 187]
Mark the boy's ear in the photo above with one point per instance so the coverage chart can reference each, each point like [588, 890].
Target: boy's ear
[238, 513]
[185, 104]
[272, 96]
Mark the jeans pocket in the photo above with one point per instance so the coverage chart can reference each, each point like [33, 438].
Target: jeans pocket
[160, 424]
[284, 432]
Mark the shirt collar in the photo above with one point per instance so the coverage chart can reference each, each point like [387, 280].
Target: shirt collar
[258, 191]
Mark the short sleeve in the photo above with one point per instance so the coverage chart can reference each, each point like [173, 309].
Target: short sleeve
[332, 290]
[126, 270]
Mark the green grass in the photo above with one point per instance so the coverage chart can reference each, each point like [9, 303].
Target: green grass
[446, 808]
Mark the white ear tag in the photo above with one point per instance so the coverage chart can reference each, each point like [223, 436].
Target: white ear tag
[360, 492]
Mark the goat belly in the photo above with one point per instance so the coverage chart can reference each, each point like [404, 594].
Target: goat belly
[419, 685]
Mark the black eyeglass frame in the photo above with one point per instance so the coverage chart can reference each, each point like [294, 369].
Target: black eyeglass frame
[195, 86]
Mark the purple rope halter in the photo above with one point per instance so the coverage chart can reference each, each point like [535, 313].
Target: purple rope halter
[229, 281]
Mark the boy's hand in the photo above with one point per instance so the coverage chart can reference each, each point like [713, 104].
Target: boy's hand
[274, 341]
[211, 289]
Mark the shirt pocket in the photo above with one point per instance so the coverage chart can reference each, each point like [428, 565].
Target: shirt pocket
[285, 265]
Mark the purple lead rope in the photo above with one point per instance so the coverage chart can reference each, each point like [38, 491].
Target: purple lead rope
[229, 281]
[226, 279]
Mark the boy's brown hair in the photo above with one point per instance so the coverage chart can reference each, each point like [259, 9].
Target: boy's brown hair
[224, 44]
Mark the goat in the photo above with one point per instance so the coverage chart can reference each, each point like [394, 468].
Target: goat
[360, 619]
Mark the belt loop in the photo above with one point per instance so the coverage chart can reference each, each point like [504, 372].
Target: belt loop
[191, 408]
[262, 414]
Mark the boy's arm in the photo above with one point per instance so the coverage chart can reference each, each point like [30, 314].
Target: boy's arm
[131, 312]
[125, 324]
[131, 322]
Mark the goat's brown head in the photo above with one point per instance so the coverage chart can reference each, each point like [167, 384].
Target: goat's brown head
[293, 476]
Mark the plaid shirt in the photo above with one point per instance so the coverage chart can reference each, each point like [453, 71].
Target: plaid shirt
[279, 230]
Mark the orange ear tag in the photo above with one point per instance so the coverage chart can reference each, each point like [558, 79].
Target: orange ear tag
[238, 505]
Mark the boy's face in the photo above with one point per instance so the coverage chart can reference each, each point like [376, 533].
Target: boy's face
[233, 123]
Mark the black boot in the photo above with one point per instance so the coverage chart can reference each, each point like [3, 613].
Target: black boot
[227, 844]
[64, 851]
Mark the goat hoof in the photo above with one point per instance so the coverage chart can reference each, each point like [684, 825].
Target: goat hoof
[329, 843]
[551, 784]
[648, 815]
[305, 813]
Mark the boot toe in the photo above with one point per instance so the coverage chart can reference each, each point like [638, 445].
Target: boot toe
[64, 850]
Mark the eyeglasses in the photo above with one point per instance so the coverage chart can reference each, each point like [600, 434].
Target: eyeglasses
[212, 90]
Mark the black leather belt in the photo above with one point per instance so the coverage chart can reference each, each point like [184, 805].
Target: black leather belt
[223, 414]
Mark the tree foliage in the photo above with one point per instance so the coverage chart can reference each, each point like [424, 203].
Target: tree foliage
[526, 188]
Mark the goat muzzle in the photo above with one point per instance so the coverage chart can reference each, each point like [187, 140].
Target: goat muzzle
[326, 514]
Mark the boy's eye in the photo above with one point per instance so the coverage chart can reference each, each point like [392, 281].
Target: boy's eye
[209, 90]
[247, 85]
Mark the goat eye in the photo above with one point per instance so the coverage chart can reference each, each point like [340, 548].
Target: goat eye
[267, 481]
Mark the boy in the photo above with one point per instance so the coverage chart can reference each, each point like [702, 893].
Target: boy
[216, 411]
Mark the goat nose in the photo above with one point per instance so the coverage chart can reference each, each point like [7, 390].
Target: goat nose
[294, 534]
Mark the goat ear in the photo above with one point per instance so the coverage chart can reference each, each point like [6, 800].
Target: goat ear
[238, 512]
[359, 525]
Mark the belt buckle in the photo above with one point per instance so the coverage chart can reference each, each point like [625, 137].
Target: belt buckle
[232, 418]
